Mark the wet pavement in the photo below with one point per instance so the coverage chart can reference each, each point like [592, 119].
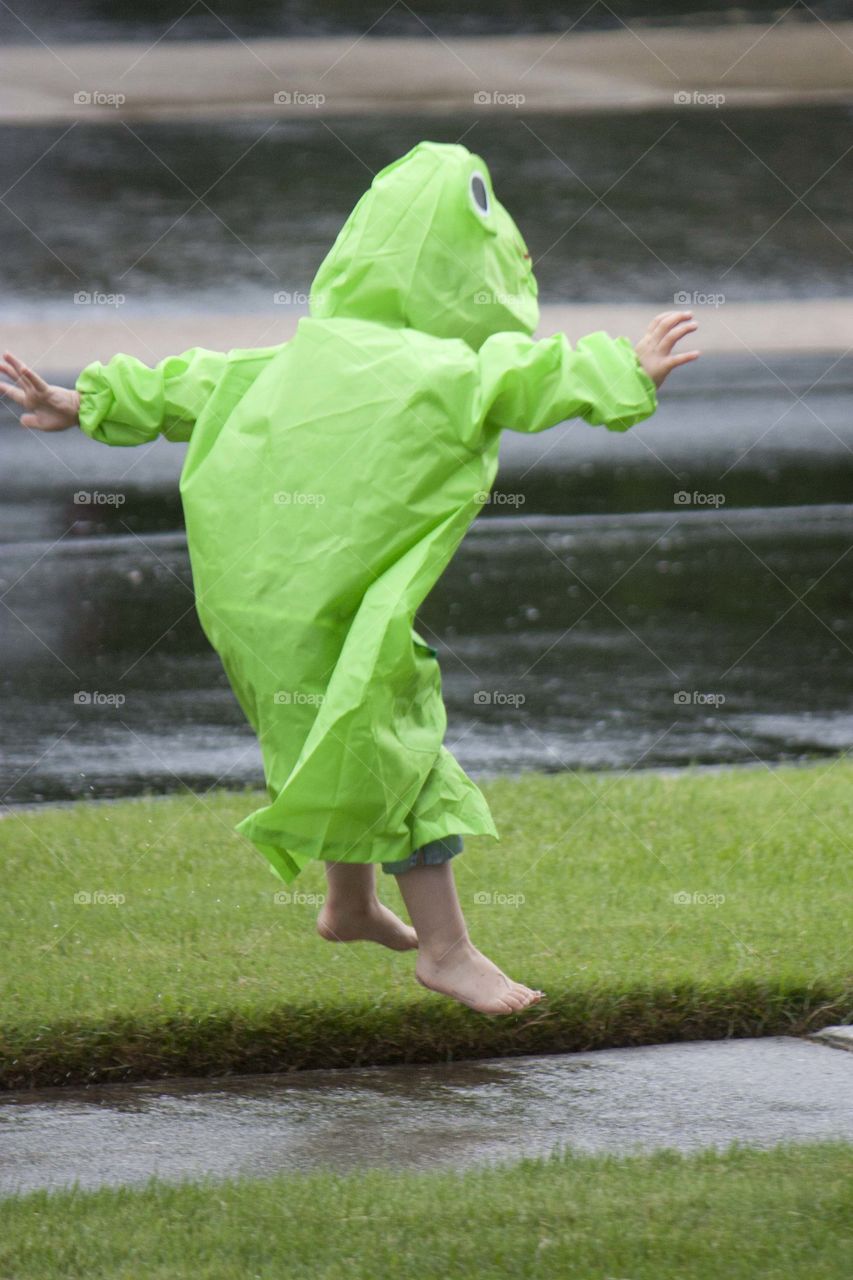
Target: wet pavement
[92, 20]
[685, 1096]
[644, 639]
[132, 236]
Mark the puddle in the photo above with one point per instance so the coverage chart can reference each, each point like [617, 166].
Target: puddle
[687, 1096]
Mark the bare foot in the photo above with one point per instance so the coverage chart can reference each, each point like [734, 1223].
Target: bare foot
[372, 923]
[465, 974]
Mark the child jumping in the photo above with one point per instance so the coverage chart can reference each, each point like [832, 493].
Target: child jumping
[328, 481]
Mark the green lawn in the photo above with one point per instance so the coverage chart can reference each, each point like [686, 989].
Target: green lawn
[199, 969]
[782, 1214]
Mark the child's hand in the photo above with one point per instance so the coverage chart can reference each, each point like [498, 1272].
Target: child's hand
[48, 408]
[653, 349]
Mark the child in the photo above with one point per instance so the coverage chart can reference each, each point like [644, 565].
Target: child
[327, 483]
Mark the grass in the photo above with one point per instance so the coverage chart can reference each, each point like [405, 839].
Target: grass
[199, 970]
[781, 1214]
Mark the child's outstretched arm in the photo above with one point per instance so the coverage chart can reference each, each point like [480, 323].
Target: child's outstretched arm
[123, 402]
[528, 385]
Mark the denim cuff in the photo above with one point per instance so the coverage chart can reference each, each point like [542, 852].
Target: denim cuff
[429, 855]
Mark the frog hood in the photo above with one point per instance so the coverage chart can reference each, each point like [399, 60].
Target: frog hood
[429, 247]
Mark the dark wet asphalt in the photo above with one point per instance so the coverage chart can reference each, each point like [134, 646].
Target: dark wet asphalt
[614, 206]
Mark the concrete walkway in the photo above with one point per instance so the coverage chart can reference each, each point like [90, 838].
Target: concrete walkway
[68, 340]
[686, 1096]
[630, 68]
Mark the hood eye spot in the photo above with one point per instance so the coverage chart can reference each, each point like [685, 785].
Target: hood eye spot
[479, 194]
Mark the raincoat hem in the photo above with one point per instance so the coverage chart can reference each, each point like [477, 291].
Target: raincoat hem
[287, 865]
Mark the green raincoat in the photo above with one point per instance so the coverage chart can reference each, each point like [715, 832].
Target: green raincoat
[329, 480]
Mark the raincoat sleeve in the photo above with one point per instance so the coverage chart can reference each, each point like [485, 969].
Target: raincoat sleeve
[527, 385]
[125, 402]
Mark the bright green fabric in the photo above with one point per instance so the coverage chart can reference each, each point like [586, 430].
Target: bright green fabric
[329, 480]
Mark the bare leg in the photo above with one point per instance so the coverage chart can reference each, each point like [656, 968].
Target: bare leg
[448, 961]
[353, 913]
